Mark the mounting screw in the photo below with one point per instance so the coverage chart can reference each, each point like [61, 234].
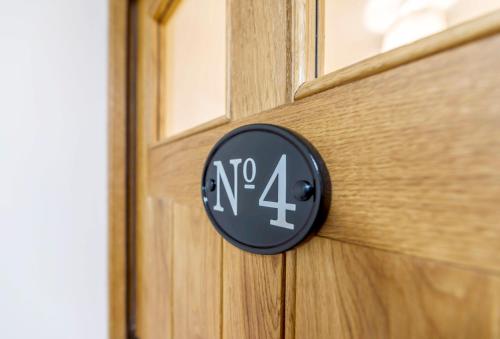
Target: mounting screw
[302, 190]
[211, 185]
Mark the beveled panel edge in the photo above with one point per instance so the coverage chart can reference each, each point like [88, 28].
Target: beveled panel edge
[224, 119]
[302, 41]
[458, 35]
[159, 8]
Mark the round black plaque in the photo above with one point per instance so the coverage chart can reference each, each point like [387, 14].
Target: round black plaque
[265, 188]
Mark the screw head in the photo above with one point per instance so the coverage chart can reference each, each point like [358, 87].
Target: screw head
[302, 190]
[211, 185]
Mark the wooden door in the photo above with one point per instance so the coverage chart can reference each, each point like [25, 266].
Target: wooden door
[411, 139]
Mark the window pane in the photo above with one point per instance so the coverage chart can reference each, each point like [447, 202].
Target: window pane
[193, 65]
[358, 29]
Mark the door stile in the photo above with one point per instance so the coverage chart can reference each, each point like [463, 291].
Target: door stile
[153, 256]
[259, 58]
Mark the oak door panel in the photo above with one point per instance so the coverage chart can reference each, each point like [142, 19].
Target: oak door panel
[252, 294]
[259, 56]
[179, 273]
[155, 266]
[351, 291]
[412, 154]
[196, 300]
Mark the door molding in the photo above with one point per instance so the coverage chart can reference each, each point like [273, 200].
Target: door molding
[455, 36]
[121, 136]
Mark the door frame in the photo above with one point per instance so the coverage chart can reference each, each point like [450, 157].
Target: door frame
[121, 159]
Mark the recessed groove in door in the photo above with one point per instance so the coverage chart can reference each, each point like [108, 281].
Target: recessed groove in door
[192, 66]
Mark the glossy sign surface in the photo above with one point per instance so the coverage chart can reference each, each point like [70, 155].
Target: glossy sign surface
[264, 188]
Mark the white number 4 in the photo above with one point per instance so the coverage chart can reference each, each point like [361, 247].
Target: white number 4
[281, 205]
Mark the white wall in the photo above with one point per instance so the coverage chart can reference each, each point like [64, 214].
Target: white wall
[53, 242]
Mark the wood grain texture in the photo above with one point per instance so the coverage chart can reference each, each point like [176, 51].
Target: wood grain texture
[159, 8]
[303, 42]
[179, 294]
[148, 59]
[197, 268]
[358, 292]
[155, 267]
[259, 79]
[433, 44]
[117, 130]
[178, 258]
[258, 55]
[253, 295]
[147, 132]
[320, 40]
[290, 293]
[412, 153]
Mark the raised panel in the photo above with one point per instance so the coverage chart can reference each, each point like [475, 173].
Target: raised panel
[252, 294]
[179, 262]
[350, 291]
[196, 281]
[155, 267]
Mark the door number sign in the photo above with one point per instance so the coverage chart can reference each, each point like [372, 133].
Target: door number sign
[265, 188]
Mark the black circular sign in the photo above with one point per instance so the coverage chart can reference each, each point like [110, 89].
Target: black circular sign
[265, 188]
